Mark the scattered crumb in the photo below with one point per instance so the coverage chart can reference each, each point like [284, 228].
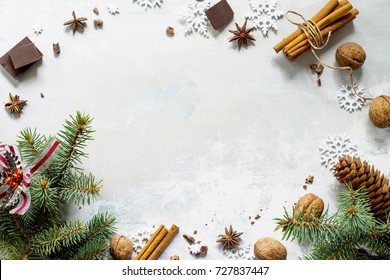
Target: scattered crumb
[250, 217]
[195, 231]
[203, 250]
[313, 66]
[174, 258]
[153, 226]
[42, 95]
[56, 48]
[189, 238]
[96, 11]
[98, 22]
[257, 216]
[319, 82]
[319, 69]
[309, 179]
[252, 222]
[304, 187]
[170, 31]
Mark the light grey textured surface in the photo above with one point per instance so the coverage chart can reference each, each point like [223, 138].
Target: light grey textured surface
[190, 130]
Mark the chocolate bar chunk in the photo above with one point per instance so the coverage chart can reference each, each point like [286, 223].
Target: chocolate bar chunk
[219, 14]
[20, 58]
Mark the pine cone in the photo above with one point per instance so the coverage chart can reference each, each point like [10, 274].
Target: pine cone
[361, 174]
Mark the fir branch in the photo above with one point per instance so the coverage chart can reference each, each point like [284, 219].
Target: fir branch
[80, 190]
[302, 229]
[31, 143]
[101, 226]
[10, 251]
[73, 140]
[54, 239]
[92, 250]
[11, 226]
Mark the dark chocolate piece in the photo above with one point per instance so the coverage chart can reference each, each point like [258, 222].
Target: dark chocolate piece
[219, 14]
[20, 58]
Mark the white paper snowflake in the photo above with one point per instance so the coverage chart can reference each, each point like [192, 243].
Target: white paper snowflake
[264, 15]
[242, 252]
[113, 9]
[348, 99]
[149, 4]
[336, 147]
[195, 19]
[140, 239]
[196, 249]
[38, 29]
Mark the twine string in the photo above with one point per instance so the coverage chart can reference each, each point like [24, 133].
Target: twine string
[317, 42]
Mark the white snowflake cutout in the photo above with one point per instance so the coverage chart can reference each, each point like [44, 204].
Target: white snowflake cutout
[264, 15]
[149, 4]
[38, 29]
[334, 148]
[113, 9]
[196, 248]
[140, 239]
[242, 252]
[195, 19]
[348, 99]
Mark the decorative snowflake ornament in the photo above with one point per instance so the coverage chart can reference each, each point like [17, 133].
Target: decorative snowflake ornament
[113, 9]
[336, 147]
[149, 4]
[38, 29]
[348, 99]
[140, 239]
[264, 15]
[242, 252]
[195, 19]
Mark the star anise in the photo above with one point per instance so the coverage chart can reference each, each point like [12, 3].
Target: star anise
[230, 239]
[76, 22]
[15, 105]
[241, 35]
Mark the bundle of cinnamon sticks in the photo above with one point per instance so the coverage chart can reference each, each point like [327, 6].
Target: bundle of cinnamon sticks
[331, 17]
[157, 243]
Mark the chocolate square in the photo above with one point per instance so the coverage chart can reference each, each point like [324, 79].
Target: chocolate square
[20, 58]
[219, 14]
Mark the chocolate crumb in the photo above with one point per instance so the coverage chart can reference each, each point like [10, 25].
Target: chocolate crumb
[195, 231]
[189, 238]
[319, 82]
[313, 66]
[257, 216]
[170, 31]
[309, 179]
[305, 187]
[252, 222]
[96, 11]
[203, 250]
[42, 95]
[56, 48]
[319, 69]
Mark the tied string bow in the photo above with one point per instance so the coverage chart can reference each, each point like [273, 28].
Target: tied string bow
[317, 42]
[15, 175]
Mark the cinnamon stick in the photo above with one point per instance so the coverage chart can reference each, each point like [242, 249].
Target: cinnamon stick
[329, 19]
[303, 46]
[164, 243]
[149, 243]
[326, 10]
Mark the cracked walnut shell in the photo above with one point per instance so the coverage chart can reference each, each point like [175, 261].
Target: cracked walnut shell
[268, 248]
[121, 248]
[311, 205]
[350, 54]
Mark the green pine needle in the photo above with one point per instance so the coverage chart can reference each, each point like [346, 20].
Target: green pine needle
[80, 189]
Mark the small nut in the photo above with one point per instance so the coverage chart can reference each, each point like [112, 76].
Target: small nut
[170, 31]
[311, 205]
[96, 11]
[350, 54]
[268, 248]
[98, 22]
[121, 248]
[174, 258]
[379, 111]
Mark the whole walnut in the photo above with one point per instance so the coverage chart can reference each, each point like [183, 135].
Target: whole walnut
[350, 54]
[121, 248]
[311, 204]
[268, 248]
[379, 111]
